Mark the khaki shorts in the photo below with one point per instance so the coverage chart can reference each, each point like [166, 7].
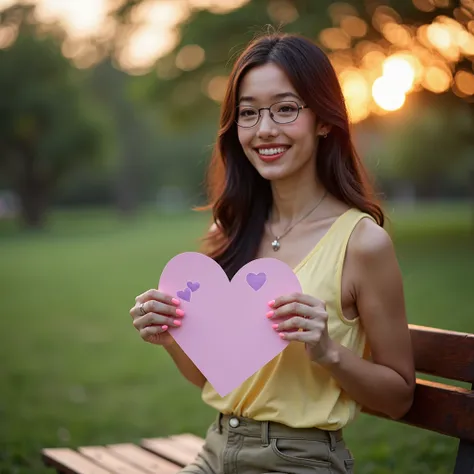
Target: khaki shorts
[236, 445]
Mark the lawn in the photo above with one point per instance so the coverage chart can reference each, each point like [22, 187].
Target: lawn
[74, 371]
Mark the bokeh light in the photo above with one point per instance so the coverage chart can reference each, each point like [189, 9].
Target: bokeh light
[8, 35]
[216, 88]
[437, 79]
[377, 73]
[282, 11]
[400, 72]
[465, 82]
[190, 57]
[387, 95]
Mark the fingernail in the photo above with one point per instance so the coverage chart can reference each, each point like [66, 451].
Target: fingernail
[177, 323]
[270, 314]
[275, 326]
[282, 335]
[175, 301]
[165, 328]
[271, 303]
[180, 312]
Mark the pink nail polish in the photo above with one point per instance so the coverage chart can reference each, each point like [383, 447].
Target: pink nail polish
[177, 323]
[165, 328]
[270, 314]
[175, 301]
[271, 303]
[282, 335]
[274, 326]
[180, 312]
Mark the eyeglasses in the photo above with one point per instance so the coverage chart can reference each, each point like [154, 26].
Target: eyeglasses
[280, 112]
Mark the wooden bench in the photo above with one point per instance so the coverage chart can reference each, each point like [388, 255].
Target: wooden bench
[438, 407]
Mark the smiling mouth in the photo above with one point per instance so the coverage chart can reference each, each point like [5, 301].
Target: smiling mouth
[270, 154]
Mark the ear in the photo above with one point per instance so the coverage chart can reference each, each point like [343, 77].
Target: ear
[323, 130]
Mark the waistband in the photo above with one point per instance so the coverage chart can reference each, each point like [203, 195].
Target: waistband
[267, 430]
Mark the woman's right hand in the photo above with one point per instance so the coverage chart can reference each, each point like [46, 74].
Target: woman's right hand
[153, 314]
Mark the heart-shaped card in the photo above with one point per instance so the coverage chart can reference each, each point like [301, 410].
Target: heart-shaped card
[225, 331]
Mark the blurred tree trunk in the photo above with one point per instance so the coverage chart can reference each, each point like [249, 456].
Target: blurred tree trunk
[33, 188]
[48, 126]
[112, 87]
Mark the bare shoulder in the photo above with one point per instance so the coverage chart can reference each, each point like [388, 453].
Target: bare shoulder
[373, 265]
[370, 243]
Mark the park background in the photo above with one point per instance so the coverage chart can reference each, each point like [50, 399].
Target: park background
[108, 114]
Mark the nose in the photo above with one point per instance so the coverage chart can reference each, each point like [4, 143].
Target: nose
[266, 126]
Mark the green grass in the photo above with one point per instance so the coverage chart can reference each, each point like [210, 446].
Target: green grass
[74, 371]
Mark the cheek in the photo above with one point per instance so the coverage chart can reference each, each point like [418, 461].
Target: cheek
[245, 138]
[304, 136]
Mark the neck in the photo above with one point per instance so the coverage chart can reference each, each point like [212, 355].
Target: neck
[291, 201]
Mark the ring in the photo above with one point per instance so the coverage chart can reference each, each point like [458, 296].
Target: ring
[142, 310]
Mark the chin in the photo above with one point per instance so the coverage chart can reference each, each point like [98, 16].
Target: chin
[275, 174]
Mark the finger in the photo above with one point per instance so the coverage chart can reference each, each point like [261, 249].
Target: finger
[292, 309]
[295, 297]
[157, 296]
[309, 337]
[152, 330]
[165, 309]
[138, 310]
[295, 323]
[153, 306]
[152, 318]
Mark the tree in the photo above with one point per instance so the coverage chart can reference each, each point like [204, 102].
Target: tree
[382, 51]
[415, 45]
[48, 125]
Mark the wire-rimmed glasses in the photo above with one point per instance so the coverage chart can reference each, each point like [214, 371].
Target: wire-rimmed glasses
[281, 112]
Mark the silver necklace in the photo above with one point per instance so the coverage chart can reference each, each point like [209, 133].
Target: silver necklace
[276, 239]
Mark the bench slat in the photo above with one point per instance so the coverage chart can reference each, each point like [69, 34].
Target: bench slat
[447, 354]
[442, 408]
[147, 461]
[172, 449]
[106, 458]
[195, 443]
[70, 462]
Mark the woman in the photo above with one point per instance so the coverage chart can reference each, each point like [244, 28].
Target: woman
[287, 183]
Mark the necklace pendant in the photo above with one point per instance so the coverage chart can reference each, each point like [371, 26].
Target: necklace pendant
[276, 245]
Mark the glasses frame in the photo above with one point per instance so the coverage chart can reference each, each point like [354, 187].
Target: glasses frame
[259, 110]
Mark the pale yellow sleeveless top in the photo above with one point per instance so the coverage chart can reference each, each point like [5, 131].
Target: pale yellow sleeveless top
[291, 389]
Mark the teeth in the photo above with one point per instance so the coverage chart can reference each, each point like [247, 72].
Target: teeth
[271, 151]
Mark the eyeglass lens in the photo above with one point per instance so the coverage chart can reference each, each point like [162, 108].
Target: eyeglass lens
[281, 112]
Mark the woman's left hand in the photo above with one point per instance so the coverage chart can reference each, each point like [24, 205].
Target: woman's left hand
[306, 318]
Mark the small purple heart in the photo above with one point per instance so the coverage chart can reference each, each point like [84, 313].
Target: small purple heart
[193, 286]
[185, 294]
[256, 281]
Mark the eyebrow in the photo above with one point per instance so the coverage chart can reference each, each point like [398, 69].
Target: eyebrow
[282, 95]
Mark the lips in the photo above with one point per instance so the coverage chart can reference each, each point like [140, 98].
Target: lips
[269, 153]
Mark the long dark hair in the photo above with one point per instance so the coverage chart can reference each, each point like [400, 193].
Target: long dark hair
[240, 198]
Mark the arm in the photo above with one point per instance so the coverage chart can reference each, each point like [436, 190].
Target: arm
[153, 313]
[386, 383]
[185, 365]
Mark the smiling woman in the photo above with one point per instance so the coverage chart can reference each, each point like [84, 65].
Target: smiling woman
[286, 182]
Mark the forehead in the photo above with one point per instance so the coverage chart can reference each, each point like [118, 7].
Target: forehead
[263, 83]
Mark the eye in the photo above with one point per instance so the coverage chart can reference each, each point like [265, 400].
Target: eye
[247, 112]
[286, 108]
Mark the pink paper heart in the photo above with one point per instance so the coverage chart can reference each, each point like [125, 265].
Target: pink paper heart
[225, 331]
